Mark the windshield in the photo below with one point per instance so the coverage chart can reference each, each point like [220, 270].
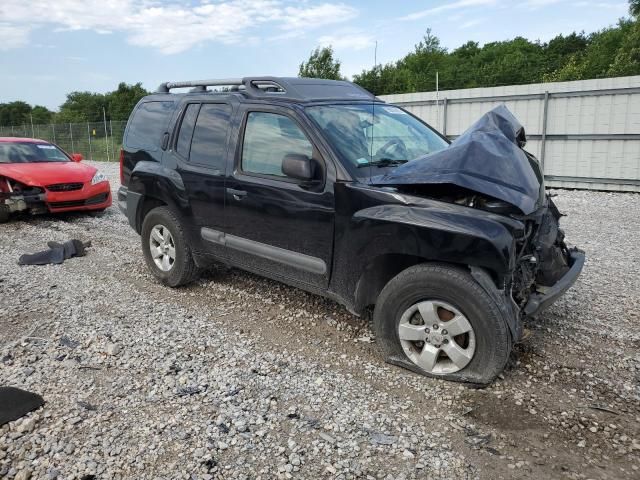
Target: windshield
[30, 152]
[375, 135]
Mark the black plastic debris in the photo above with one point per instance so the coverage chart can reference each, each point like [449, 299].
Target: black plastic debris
[56, 254]
[16, 403]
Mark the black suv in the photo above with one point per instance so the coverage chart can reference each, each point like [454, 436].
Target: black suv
[323, 186]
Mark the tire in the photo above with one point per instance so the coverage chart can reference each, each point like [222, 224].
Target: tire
[182, 269]
[452, 295]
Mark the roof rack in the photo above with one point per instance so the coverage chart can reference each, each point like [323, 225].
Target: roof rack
[296, 89]
[220, 82]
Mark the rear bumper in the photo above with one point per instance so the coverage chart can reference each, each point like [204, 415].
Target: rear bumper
[128, 205]
[539, 301]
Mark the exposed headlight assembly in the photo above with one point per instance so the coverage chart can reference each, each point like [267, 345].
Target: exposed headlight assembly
[98, 177]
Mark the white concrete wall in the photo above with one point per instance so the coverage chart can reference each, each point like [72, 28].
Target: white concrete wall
[614, 112]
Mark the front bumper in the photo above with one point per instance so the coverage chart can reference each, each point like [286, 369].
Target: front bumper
[541, 300]
[89, 197]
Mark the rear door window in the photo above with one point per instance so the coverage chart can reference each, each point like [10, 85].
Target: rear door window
[148, 124]
[209, 143]
[183, 145]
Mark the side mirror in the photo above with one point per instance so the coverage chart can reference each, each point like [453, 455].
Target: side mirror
[298, 166]
[77, 157]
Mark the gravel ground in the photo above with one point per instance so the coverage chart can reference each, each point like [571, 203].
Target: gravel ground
[236, 376]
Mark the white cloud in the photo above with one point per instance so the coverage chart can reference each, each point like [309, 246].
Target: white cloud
[458, 5]
[471, 23]
[170, 27]
[13, 36]
[347, 41]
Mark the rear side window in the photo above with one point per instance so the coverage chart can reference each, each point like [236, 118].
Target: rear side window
[209, 143]
[148, 124]
[268, 138]
[186, 129]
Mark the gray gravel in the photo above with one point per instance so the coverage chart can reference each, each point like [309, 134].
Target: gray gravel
[236, 376]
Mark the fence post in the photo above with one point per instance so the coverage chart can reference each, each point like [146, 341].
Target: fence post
[89, 134]
[106, 135]
[545, 111]
[113, 147]
[53, 129]
[71, 135]
[444, 115]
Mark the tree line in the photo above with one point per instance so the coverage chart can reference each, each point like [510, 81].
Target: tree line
[611, 52]
[78, 107]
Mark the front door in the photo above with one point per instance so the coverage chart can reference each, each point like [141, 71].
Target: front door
[276, 224]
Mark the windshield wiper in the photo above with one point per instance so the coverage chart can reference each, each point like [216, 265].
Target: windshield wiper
[383, 162]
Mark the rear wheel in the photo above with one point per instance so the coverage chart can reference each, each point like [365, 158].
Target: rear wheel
[438, 321]
[165, 247]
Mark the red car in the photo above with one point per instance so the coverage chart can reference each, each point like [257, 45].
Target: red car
[39, 177]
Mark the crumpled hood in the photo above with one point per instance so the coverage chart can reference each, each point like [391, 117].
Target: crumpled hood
[487, 158]
[49, 173]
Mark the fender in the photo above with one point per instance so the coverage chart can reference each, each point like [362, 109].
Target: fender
[150, 179]
[407, 230]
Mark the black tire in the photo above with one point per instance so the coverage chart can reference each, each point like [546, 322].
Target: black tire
[184, 269]
[456, 287]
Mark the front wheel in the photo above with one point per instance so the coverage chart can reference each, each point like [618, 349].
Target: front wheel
[165, 247]
[438, 321]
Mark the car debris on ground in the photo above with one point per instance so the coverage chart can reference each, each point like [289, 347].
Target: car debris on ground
[56, 253]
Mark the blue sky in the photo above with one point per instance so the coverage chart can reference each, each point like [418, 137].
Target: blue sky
[49, 48]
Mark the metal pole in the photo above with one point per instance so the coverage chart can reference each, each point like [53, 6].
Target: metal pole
[545, 111]
[53, 129]
[89, 134]
[106, 135]
[444, 116]
[33, 133]
[71, 135]
[113, 147]
[437, 102]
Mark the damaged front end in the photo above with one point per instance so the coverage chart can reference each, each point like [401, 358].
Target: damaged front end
[545, 266]
[17, 197]
[487, 168]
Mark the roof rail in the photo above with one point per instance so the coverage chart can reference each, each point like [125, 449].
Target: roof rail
[290, 89]
[219, 82]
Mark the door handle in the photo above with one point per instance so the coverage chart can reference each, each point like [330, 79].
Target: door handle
[237, 194]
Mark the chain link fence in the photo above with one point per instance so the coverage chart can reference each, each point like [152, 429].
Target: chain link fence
[94, 140]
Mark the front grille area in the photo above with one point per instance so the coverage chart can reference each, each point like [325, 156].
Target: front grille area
[95, 200]
[64, 187]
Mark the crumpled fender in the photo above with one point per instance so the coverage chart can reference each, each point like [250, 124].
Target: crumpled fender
[443, 234]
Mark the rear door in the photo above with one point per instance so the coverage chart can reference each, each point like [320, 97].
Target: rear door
[276, 224]
[200, 149]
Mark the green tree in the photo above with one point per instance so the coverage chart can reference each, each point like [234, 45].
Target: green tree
[82, 107]
[122, 100]
[41, 115]
[634, 8]
[321, 64]
[14, 113]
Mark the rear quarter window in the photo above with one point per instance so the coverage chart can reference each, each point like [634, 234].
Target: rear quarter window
[147, 125]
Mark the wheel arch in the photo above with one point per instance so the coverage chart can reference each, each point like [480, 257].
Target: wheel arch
[383, 268]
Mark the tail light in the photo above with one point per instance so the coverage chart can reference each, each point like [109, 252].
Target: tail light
[122, 166]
